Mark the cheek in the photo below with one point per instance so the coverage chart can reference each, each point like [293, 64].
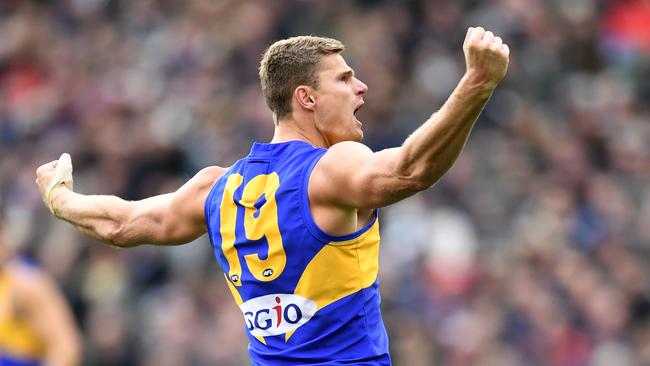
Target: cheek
[331, 112]
[327, 115]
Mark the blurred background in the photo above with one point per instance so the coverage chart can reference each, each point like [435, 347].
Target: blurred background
[533, 250]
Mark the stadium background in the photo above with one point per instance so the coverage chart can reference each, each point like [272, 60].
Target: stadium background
[533, 250]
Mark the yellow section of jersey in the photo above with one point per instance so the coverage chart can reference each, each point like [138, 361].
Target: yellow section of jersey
[228, 225]
[341, 269]
[17, 339]
[239, 301]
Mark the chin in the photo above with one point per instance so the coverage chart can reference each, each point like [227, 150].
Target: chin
[355, 135]
[358, 132]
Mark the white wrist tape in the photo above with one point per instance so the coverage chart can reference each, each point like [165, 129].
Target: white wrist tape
[62, 174]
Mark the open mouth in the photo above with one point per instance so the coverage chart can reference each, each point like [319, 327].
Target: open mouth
[358, 108]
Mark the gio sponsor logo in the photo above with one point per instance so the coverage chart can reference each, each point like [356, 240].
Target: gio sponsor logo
[276, 314]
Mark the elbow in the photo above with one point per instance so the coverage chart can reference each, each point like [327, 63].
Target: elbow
[423, 179]
[418, 180]
[422, 174]
[415, 180]
[116, 235]
[419, 183]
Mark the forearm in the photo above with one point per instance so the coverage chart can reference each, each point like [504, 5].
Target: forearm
[433, 148]
[100, 216]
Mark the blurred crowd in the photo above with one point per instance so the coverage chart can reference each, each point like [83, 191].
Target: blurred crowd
[533, 250]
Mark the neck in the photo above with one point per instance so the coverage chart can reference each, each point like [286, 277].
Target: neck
[288, 129]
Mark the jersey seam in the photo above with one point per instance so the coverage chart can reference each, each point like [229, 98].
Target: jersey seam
[208, 203]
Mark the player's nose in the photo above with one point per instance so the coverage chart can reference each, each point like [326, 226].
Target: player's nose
[362, 88]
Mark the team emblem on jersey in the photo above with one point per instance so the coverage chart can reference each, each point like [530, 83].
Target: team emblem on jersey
[277, 313]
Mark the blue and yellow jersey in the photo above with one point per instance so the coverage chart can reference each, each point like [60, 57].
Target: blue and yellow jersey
[19, 344]
[308, 298]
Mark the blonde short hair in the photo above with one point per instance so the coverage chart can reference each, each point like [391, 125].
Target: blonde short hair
[291, 62]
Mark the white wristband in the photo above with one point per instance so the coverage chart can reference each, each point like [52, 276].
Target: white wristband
[62, 174]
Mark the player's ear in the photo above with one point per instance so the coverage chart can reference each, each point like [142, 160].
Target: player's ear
[304, 97]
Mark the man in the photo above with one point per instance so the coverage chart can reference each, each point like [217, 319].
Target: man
[294, 224]
[36, 325]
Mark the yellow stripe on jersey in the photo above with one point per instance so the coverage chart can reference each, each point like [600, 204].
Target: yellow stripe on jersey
[228, 224]
[239, 301]
[341, 269]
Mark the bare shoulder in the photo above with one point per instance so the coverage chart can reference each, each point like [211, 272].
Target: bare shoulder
[349, 147]
[333, 175]
[205, 178]
[210, 174]
[342, 155]
[351, 175]
[190, 198]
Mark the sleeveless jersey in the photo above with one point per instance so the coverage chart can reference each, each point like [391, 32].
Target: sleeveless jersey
[19, 344]
[308, 298]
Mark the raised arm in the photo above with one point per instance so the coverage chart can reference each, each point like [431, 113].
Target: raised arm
[168, 219]
[351, 175]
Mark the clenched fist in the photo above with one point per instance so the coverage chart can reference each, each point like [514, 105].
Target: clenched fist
[53, 175]
[486, 56]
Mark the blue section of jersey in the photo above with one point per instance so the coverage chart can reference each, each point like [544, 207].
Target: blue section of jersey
[11, 361]
[285, 328]
[347, 332]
